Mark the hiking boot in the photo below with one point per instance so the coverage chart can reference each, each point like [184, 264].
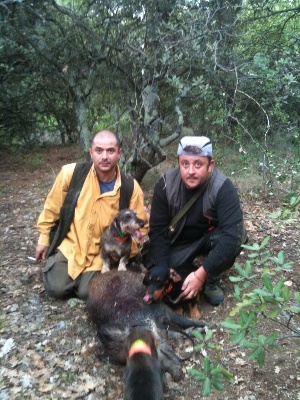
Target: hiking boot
[213, 293]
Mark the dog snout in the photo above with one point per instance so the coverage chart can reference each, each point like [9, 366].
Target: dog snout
[147, 298]
[139, 222]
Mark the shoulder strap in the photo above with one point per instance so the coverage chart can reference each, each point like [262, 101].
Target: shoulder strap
[126, 191]
[209, 200]
[185, 208]
[67, 210]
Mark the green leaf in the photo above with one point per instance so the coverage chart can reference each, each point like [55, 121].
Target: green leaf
[285, 293]
[196, 374]
[215, 370]
[235, 279]
[237, 290]
[198, 347]
[246, 285]
[262, 339]
[252, 255]
[267, 282]
[218, 385]
[275, 215]
[297, 297]
[211, 345]
[265, 242]
[247, 303]
[273, 313]
[206, 364]
[265, 257]
[208, 335]
[206, 387]
[198, 335]
[240, 269]
[248, 344]
[255, 247]
[288, 265]
[295, 310]
[262, 292]
[280, 257]
[273, 300]
[255, 353]
[279, 285]
[295, 201]
[237, 338]
[261, 358]
[259, 355]
[229, 323]
[271, 339]
[263, 307]
[234, 311]
[227, 374]
[252, 276]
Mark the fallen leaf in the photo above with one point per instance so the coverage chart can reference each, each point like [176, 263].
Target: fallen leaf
[7, 347]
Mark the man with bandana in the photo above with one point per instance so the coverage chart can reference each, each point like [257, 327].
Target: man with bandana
[211, 227]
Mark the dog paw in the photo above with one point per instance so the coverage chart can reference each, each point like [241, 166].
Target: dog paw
[122, 267]
[104, 269]
[195, 313]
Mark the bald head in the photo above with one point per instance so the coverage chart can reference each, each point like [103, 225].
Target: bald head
[105, 152]
[106, 134]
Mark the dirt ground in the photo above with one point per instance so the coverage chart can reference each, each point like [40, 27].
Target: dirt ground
[49, 349]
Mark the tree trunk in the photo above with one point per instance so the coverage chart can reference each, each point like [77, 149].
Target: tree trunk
[82, 124]
[147, 151]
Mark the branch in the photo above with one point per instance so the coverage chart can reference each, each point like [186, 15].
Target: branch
[263, 110]
[270, 14]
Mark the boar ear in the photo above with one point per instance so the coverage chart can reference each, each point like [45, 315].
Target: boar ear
[123, 355]
[175, 276]
[156, 342]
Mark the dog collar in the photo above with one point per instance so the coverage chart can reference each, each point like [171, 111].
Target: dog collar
[139, 346]
[122, 237]
[168, 290]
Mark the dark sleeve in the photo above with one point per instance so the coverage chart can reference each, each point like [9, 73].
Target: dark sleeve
[230, 230]
[159, 226]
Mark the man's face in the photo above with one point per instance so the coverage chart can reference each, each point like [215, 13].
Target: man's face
[195, 170]
[105, 154]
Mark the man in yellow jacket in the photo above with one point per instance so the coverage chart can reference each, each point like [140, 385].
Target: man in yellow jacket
[69, 270]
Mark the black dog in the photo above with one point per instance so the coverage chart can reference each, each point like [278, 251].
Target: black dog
[165, 284]
[117, 239]
[144, 377]
[115, 304]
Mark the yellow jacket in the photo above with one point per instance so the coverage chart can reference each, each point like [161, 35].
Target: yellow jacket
[93, 214]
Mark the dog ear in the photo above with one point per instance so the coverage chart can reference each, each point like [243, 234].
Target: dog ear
[123, 355]
[175, 276]
[156, 342]
[146, 279]
[157, 274]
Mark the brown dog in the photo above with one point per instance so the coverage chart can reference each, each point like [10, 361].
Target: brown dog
[117, 239]
[164, 284]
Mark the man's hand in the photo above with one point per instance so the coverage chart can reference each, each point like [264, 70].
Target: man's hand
[41, 253]
[193, 284]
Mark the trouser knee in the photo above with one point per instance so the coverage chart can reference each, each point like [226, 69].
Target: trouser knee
[82, 286]
[57, 282]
